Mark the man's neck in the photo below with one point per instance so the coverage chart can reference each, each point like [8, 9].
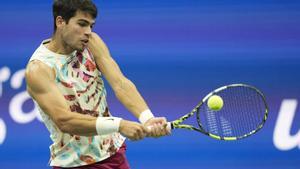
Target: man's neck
[56, 45]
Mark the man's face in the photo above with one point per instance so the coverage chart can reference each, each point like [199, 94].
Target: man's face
[76, 33]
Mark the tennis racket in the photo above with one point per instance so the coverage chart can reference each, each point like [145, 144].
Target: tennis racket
[245, 112]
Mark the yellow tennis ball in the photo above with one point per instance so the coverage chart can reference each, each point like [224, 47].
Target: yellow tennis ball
[215, 102]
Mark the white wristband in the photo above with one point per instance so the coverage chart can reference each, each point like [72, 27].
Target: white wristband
[107, 125]
[145, 116]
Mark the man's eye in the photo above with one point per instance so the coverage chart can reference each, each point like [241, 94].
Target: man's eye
[82, 24]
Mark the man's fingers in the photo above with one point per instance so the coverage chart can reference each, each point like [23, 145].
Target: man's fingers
[157, 127]
[132, 130]
[156, 130]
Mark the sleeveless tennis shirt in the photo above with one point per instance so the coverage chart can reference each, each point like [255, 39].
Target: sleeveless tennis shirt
[80, 82]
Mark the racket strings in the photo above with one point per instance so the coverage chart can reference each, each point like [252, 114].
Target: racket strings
[247, 115]
[211, 121]
[252, 113]
[242, 113]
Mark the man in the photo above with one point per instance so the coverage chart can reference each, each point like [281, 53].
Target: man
[64, 77]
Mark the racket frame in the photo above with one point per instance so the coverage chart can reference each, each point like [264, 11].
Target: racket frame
[178, 123]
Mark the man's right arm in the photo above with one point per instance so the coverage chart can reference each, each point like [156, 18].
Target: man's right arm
[41, 86]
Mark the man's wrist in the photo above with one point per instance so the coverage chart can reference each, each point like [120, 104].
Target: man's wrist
[145, 116]
[107, 125]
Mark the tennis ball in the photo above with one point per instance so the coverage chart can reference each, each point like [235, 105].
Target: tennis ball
[215, 102]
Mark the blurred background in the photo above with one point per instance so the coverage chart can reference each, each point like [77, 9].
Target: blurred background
[175, 52]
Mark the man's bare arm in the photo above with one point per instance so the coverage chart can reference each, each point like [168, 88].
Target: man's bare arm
[124, 89]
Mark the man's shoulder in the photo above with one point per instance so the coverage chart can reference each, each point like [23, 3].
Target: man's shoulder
[36, 64]
[37, 67]
[37, 72]
[43, 55]
[40, 49]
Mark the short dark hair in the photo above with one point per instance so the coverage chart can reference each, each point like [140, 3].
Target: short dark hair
[68, 8]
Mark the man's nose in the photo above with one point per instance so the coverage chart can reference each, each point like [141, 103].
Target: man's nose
[88, 31]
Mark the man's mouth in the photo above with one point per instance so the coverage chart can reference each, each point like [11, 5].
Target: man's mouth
[85, 42]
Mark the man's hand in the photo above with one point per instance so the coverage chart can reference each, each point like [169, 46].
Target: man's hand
[132, 130]
[157, 127]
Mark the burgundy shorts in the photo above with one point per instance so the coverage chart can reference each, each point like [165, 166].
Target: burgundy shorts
[117, 161]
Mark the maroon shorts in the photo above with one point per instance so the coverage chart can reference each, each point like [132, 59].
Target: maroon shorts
[117, 161]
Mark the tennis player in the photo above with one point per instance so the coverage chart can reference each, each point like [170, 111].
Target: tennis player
[64, 78]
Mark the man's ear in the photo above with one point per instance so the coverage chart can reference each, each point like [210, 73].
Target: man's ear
[60, 22]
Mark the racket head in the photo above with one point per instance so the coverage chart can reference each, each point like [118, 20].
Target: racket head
[244, 113]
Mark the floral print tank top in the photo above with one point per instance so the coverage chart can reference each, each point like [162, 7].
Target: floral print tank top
[80, 82]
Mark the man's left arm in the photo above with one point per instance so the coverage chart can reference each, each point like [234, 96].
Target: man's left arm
[124, 89]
